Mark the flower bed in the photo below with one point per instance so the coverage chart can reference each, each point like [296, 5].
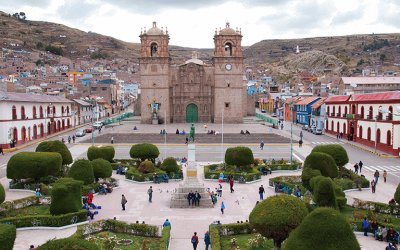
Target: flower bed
[275, 165]
[134, 174]
[213, 172]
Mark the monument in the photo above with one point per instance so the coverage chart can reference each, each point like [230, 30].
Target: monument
[191, 183]
[154, 106]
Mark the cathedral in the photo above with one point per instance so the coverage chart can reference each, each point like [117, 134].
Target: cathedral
[193, 91]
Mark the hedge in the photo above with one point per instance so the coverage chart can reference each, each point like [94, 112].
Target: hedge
[146, 167]
[16, 204]
[144, 151]
[164, 241]
[396, 194]
[274, 167]
[307, 174]
[105, 152]
[58, 147]
[215, 237]
[324, 228]
[135, 175]
[66, 196]
[337, 152]
[322, 162]
[323, 192]
[101, 168]
[68, 243]
[82, 170]
[170, 165]
[47, 220]
[34, 165]
[248, 176]
[359, 181]
[239, 156]
[8, 233]
[287, 181]
[2, 194]
[277, 216]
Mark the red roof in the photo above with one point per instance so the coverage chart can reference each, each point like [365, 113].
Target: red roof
[28, 97]
[307, 100]
[380, 96]
[337, 98]
[292, 99]
[318, 103]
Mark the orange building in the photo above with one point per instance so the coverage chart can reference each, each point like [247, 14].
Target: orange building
[288, 114]
[74, 76]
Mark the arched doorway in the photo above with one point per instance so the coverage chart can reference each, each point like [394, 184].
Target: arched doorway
[34, 132]
[360, 133]
[389, 138]
[41, 130]
[49, 128]
[15, 135]
[369, 134]
[337, 127]
[332, 128]
[63, 124]
[23, 134]
[344, 129]
[378, 136]
[192, 113]
[68, 123]
[58, 128]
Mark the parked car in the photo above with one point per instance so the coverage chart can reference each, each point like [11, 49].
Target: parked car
[80, 133]
[88, 130]
[304, 127]
[263, 111]
[273, 115]
[312, 129]
[97, 125]
[318, 131]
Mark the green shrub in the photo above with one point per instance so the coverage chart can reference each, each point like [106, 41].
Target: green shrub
[2, 194]
[345, 184]
[324, 193]
[215, 237]
[34, 165]
[135, 175]
[67, 244]
[66, 196]
[170, 165]
[144, 151]
[164, 241]
[324, 228]
[314, 181]
[239, 156]
[307, 174]
[105, 152]
[82, 170]
[146, 167]
[277, 216]
[101, 168]
[323, 162]
[7, 236]
[56, 146]
[397, 194]
[338, 153]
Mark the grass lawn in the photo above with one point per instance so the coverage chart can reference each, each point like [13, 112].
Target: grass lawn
[27, 211]
[242, 242]
[137, 240]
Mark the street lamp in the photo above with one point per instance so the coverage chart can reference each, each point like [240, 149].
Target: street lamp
[291, 131]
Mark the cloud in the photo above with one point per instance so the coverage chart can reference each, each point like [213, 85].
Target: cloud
[76, 11]
[389, 13]
[348, 16]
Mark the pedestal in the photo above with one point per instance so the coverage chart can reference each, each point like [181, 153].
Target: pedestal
[191, 170]
[154, 121]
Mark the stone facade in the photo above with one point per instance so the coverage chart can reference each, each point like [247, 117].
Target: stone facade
[193, 91]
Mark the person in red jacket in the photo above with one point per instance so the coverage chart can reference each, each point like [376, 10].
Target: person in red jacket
[231, 183]
[195, 241]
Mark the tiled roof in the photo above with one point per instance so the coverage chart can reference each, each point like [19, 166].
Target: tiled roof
[371, 80]
[292, 99]
[337, 98]
[307, 100]
[29, 97]
[82, 102]
[380, 96]
[318, 103]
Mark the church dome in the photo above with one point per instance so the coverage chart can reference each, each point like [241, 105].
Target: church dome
[228, 31]
[154, 30]
[194, 59]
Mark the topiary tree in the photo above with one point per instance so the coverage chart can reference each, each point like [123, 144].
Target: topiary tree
[101, 168]
[146, 167]
[105, 152]
[144, 151]
[25, 165]
[324, 193]
[8, 233]
[69, 243]
[338, 153]
[313, 232]
[277, 216]
[314, 181]
[397, 194]
[82, 170]
[2, 194]
[307, 174]
[323, 162]
[56, 146]
[66, 196]
[170, 165]
[239, 156]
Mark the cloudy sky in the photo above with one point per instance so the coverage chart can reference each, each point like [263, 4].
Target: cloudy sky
[192, 22]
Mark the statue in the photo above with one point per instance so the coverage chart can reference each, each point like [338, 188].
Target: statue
[192, 133]
[154, 106]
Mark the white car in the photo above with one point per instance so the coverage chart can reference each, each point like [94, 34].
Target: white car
[97, 125]
[80, 133]
[318, 131]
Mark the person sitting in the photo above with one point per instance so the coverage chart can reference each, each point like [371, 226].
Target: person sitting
[241, 132]
[378, 234]
[166, 223]
[122, 170]
[184, 160]
[279, 187]
[135, 128]
[165, 178]
[392, 202]
[391, 246]
[390, 235]
[374, 227]
[247, 132]
[155, 178]
[103, 189]
[183, 132]
[264, 170]
[177, 131]
[90, 213]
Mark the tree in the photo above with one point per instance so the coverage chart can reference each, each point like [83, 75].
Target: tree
[146, 167]
[239, 156]
[2, 194]
[56, 146]
[322, 162]
[170, 165]
[277, 216]
[8, 234]
[66, 196]
[82, 170]
[101, 168]
[307, 174]
[323, 228]
[104, 152]
[338, 153]
[323, 192]
[397, 194]
[144, 151]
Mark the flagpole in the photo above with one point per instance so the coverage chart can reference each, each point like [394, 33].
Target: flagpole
[165, 134]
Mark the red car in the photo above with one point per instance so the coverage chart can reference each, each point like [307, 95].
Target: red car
[88, 130]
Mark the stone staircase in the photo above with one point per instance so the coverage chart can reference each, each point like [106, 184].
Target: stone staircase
[191, 184]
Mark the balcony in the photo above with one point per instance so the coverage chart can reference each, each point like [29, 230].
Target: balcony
[344, 115]
[370, 117]
[337, 114]
[41, 115]
[379, 117]
[14, 117]
[332, 114]
[23, 117]
[34, 116]
[316, 113]
[389, 117]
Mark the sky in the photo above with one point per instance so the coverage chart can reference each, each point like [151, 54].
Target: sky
[192, 23]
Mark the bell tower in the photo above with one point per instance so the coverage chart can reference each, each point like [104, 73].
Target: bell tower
[228, 70]
[154, 64]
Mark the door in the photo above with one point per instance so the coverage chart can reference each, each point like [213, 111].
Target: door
[192, 113]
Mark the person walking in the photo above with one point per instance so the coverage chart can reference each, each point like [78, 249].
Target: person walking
[300, 143]
[373, 186]
[301, 134]
[231, 184]
[123, 202]
[365, 225]
[360, 165]
[376, 175]
[69, 139]
[112, 139]
[73, 138]
[356, 168]
[384, 176]
[262, 145]
[261, 192]
[207, 239]
[166, 223]
[195, 241]
[150, 193]
[222, 207]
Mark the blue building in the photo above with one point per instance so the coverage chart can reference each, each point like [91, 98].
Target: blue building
[304, 109]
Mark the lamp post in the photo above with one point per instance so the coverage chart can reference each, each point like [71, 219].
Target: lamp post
[47, 113]
[165, 135]
[291, 132]
[222, 136]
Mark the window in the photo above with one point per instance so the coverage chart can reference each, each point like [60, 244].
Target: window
[360, 132]
[34, 112]
[103, 88]
[228, 49]
[369, 134]
[14, 113]
[93, 88]
[153, 49]
[389, 138]
[227, 104]
[22, 112]
[370, 113]
[362, 112]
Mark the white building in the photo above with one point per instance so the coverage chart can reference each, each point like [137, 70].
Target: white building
[26, 116]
